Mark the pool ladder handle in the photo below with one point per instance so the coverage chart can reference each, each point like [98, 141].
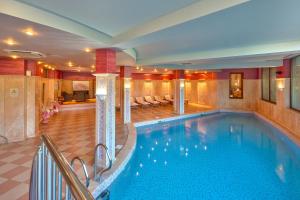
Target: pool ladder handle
[95, 160]
[83, 165]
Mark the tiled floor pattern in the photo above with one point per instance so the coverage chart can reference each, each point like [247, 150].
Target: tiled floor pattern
[73, 133]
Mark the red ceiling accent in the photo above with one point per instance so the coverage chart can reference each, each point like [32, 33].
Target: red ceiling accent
[9, 66]
[105, 61]
[249, 73]
[125, 72]
[285, 69]
[179, 74]
[77, 76]
[31, 65]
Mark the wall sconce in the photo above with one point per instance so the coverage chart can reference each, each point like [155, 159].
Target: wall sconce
[182, 84]
[127, 84]
[280, 84]
[101, 89]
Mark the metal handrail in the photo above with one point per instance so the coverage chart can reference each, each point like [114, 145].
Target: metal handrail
[87, 178]
[95, 160]
[5, 138]
[48, 170]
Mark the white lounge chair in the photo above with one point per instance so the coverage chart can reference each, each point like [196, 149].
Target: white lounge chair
[132, 103]
[159, 99]
[150, 100]
[141, 101]
[168, 98]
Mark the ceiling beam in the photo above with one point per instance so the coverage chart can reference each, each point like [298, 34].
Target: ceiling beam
[196, 10]
[256, 50]
[240, 64]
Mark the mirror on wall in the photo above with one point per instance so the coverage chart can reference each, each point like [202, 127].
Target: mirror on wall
[236, 85]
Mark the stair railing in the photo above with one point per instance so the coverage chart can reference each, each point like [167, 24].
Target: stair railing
[52, 177]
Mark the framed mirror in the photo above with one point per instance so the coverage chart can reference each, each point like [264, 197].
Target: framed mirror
[236, 85]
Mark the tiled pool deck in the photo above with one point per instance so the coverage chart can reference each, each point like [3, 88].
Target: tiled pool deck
[74, 134]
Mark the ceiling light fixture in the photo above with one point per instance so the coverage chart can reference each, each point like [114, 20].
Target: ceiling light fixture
[93, 66]
[14, 56]
[29, 32]
[87, 50]
[166, 69]
[70, 64]
[10, 41]
[137, 68]
[39, 62]
[155, 70]
[142, 69]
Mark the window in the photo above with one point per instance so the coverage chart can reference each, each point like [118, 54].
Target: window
[268, 84]
[236, 85]
[295, 84]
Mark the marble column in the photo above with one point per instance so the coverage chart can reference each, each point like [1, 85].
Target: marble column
[105, 103]
[125, 85]
[179, 92]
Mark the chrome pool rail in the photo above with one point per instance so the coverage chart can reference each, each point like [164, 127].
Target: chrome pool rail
[3, 138]
[96, 160]
[83, 165]
[51, 175]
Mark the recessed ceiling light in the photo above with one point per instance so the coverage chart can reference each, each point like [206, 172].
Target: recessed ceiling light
[166, 69]
[142, 69]
[10, 41]
[14, 56]
[70, 64]
[187, 71]
[93, 66]
[137, 68]
[45, 65]
[29, 32]
[39, 62]
[155, 70]
[87, 50]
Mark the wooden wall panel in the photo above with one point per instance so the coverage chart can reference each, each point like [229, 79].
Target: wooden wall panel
[14, 108]
[2, 105]
[30, 106]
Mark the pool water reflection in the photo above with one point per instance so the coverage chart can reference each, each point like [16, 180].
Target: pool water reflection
[220, 156]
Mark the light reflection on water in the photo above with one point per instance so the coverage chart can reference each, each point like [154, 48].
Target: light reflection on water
[222, 156]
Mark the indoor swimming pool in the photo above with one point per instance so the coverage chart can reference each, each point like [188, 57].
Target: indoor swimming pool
[218, 156]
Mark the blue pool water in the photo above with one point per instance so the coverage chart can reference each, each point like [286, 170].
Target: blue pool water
[220, 156]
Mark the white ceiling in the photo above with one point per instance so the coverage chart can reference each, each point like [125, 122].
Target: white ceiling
[59, 46]
[110, 16]
[209, 34]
